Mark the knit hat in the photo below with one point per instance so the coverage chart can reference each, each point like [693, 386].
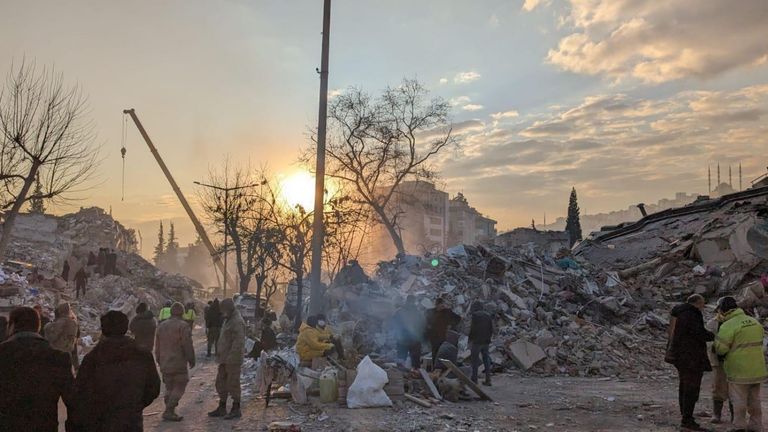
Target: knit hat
[177, 309]
[726, 304]
[114, 323]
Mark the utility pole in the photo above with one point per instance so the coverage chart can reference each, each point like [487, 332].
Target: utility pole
[226, 191]
[318, 229]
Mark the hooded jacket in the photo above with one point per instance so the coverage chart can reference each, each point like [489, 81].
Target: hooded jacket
[62, 333]
[143, 328]
[740, 340]
[311, 343]
[231, 343]
[116, 381]
[34, 377]
[689, 341]
[481, 328]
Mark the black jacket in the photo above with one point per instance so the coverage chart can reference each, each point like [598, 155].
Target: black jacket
[143, 327]
[439, 322]
[689, 341]
[213, 318]
[481, 328]
[33, 377]
[116, 381]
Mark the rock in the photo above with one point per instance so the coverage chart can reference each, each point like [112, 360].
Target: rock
[525, 354]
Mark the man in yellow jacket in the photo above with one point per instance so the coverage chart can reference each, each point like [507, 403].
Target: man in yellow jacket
[740, 340]
[312, 341]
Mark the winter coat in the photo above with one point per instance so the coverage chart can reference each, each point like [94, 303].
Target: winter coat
[439, 322]
[213, 316]
[689, 341]
[231, 343]
[164, 314]
[740, 340]
[713, 326]
[33, 377]
[190, 316]
[143, 328]
[481, 328]
[409, 323]
[62, 333]
[311, 343]
[174, 346]
[116, 381]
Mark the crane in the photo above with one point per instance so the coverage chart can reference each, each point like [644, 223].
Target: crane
[184, 203]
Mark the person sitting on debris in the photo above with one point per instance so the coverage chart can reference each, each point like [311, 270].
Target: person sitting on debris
[268, 339]
[190, 315]
[81, 281]
[480, 332]
[449, 350]
[439, 321]
[165, 312]
[328, 336]
[409, 324]
[312, 342]
[229, 356]
[44, 320]
[116, 381]
[174, 353]
[213, 325]
[143, 327]
[740, 340]
[34, 377]
[688, 353]
[62, 331]
[719, 378]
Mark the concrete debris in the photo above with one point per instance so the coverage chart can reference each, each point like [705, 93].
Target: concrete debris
[526, 354]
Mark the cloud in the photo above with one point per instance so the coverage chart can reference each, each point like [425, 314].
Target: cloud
[529, 5]
[658, 41]
[505, 115]
[459, 100]
[472, 107]
[493, 21]
[443, 81]
[466, 77]
[334, 93]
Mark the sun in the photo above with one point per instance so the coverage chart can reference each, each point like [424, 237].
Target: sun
[299, 189]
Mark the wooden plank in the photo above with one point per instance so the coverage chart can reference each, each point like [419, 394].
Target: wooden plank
[430, 384]
[464, 379]
[418, 401]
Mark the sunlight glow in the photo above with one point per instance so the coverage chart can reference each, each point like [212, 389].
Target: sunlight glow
[299, 189]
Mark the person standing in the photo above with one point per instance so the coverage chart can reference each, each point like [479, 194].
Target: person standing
[409, 322]
[44, 320]
[116, 381]
[81, 281]
[229, 356]
[740, 340]
[143, 327]
[480, 332]
[440, 320]
[165, 312]
[65, 271]
[190, 315]
[719, 378]
[62, 331]
[213, 325]
[34, 377]
[174, 353]
[688, 353]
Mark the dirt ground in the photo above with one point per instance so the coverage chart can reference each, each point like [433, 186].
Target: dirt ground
[520, 404]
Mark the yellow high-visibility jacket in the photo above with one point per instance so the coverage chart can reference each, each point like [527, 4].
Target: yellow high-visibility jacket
[311, 343]
[740, 339]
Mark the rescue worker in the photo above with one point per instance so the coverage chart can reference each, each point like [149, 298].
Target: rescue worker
[740, 340]
[229, 356]
[62, 331]
[719, 378]
[312, 342]
[116, 381]
[480, 332]
[688, 350]
[143, 327]
[175, 353]
[190, 315]
[81, 281]
[439, 321]
[213, 325]
[409, 325]
[165, 312]
[34, 377]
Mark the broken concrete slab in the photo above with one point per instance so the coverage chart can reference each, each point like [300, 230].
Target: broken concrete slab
[525, 354]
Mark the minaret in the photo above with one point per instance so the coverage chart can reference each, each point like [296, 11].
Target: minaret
[740, 189]
[730, 177]
[709, 179]
[718, 176]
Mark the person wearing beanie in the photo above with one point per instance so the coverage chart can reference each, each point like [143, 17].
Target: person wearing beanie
[34, 377]
[740, 341]
[175, 356]
[165, 312]
[116, 381]
[143, 327]
[480, 333]
[229, 356]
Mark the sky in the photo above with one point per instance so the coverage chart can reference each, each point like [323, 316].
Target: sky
[626, 100]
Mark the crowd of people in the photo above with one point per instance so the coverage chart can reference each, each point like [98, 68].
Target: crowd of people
[119, 377]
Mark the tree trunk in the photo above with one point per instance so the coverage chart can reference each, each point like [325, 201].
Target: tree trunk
[299, 299]
[244, 282]
[259, 285]
[10, 216]
[392, 230]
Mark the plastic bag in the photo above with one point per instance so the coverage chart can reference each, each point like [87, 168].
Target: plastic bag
[368, 389]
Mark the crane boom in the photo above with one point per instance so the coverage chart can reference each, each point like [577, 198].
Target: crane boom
[184, 203]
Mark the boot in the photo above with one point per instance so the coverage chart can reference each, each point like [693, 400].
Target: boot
[234, 413]
[170, 415]
[730, 408]
[717, 411]
[221, 411]
[487, 381]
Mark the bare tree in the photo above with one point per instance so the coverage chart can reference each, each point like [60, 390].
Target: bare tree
[43, 131]
[296, 242]
[348, 222]
[375, 144]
